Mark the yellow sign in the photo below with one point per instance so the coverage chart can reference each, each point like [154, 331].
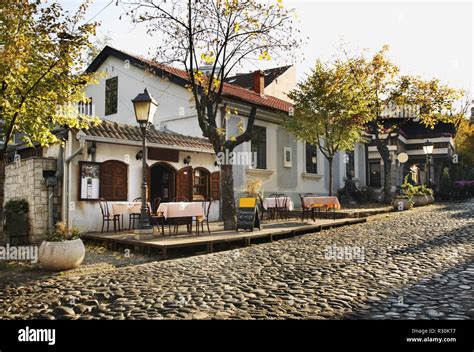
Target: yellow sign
[248, 203]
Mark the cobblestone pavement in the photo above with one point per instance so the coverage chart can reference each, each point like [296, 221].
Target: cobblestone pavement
[411, 265]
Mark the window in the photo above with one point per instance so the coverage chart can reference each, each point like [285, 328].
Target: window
[114, 181]
[375, 177]
[350, 163]
[111, 96]
[311, 159]
[287, 157]
[85, 108]
[259, 147]
[201, 185]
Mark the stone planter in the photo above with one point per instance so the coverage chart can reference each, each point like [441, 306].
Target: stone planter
[419, 201]
[431, 199]
[59, 256]
[401, 204]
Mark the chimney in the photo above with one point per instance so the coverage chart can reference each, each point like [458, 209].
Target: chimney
[259, 82]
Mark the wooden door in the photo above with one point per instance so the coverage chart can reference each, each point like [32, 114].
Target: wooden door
[114, 181]
[216, 185]
[184, 183]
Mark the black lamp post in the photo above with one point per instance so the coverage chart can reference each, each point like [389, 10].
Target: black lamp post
[145, 107]
[428, 148]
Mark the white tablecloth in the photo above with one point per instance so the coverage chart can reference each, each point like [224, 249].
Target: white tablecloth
[181, 210]
[120, 208]
[271, 203]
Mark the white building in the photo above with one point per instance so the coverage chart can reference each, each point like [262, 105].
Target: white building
[104, 161]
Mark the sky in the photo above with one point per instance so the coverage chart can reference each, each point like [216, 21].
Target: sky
[427, 38]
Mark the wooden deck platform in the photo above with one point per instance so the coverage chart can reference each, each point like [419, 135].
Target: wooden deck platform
[270, 232]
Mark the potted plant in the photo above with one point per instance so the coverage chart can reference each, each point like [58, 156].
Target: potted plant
[419, 197]
[62, 250]
[404, 200]
[429, 194]
[16, 221]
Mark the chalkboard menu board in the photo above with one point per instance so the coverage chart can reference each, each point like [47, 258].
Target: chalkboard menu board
[247, 215]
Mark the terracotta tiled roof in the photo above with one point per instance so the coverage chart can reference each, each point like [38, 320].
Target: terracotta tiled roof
[230, 91]
[116, 131]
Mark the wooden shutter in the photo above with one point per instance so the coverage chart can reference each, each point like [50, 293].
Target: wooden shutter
[114, 181]
[184, 183]
[216, 185]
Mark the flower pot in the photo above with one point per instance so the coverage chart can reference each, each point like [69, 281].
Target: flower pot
[58, 256]
[401, 204]
[419, 201]
[431, 199]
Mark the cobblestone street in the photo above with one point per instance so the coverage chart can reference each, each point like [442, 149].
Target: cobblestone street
[412, 265]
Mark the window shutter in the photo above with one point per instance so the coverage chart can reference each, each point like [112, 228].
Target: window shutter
[216, 185]
[184, 180]
[114, 181]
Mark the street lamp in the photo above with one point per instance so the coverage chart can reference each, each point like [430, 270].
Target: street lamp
[145, 107]
[428, 148]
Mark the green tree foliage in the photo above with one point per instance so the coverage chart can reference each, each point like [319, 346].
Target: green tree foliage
[330, 112]
[42, 53]
[41, 57]
[222, 35]
[384, 88]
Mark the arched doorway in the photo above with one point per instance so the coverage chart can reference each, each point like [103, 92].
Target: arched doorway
[162, 182]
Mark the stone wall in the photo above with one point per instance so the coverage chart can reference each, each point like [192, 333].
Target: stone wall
[24, 179]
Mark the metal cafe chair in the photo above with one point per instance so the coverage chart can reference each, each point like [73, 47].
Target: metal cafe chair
[307, 211]
[281, 209]
[316, 206]
[182, 221]
[272, 210]
[133, 216]
[206, 205]
[155, 218]
[107, 218]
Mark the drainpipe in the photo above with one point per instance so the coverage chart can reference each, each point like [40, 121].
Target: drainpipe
[59, 178]
[80, 136]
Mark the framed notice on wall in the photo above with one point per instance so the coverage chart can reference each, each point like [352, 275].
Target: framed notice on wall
[89, 180]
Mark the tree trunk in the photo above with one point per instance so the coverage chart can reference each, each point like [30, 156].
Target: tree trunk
[330, 160]
[387, 168]
[227, 198]
[387, 181]
[2, 194]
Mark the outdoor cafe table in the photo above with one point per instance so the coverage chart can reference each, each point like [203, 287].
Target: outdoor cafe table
[328, 202]
[181, 210]
[269, 203]
[121, 208]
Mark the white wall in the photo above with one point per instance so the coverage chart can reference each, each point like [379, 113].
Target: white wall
[173, 100]
[176, 112]
[86, 214]
[281, 86]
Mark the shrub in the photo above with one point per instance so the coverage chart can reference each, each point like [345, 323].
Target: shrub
[446, 185]
[408, 190]
[17, 206]
[254, 189]
[63, 233]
